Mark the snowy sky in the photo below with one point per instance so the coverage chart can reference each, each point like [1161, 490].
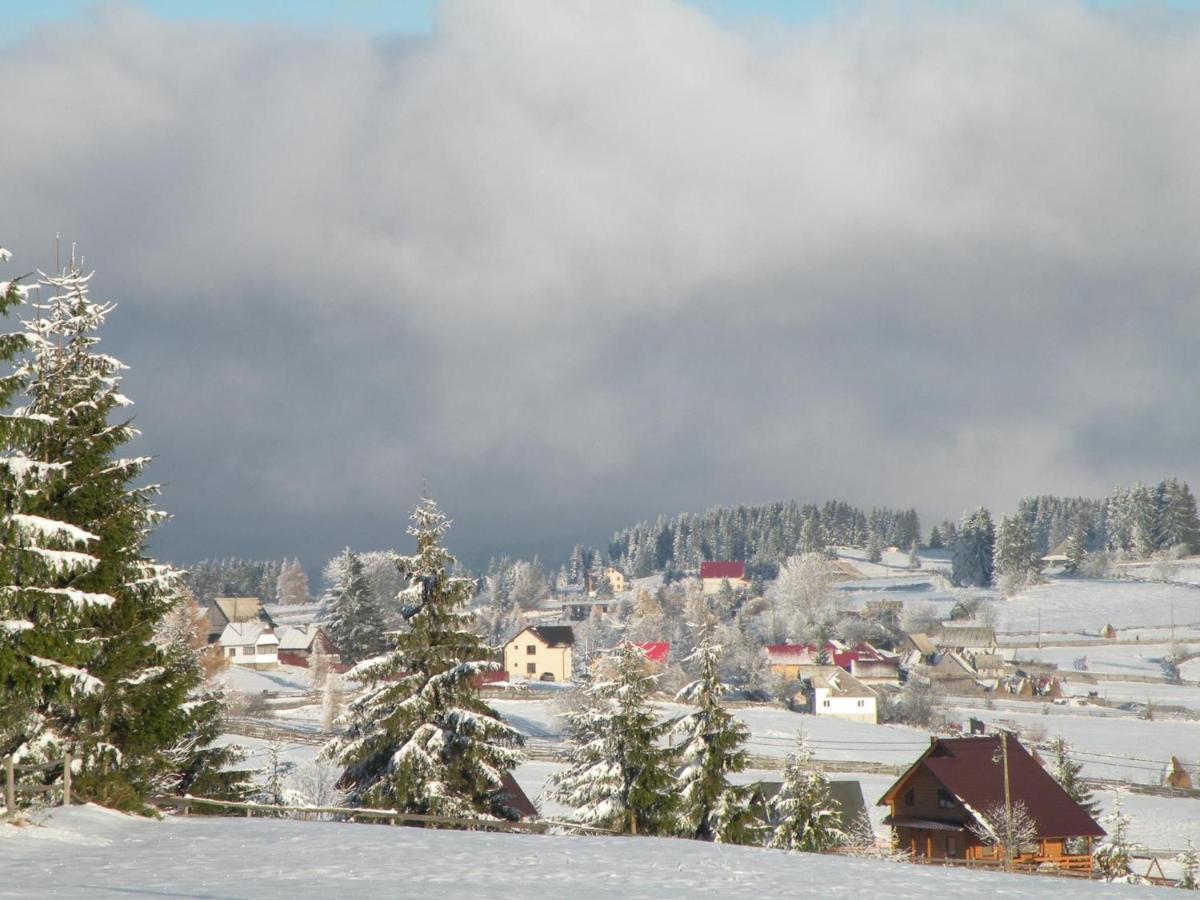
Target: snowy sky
[573, 263]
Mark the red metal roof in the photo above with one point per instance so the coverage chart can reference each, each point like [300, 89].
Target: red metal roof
[656, 652]
[971, 770]
[730, 570]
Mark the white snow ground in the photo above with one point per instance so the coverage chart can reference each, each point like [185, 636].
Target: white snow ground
[84, 852]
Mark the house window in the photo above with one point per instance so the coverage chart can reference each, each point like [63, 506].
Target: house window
[910, 797]
[945, 801]
[951, 846]
[531, 668]
[531, 650]
[825, 703]
[862, 703]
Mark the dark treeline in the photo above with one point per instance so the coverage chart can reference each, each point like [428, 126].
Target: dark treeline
[233, 577]
[763, 536]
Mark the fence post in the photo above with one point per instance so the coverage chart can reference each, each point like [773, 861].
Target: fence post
[10, 788]
[67, 778]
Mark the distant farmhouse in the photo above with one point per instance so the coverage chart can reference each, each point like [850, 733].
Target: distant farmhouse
[540, 653]
[250, 644]
[714, 574]
[224, 610]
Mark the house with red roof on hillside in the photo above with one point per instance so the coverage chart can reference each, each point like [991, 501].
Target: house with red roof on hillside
[955, 794]
[714, 574]
[656, 652]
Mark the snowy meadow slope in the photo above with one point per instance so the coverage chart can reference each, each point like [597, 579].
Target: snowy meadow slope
[84, 853]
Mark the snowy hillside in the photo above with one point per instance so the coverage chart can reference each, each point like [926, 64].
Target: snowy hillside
[86, 853]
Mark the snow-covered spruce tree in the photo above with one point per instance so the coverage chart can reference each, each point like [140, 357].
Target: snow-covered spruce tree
[619, 776]
[974, 546]
[419, 738]
[1076, 551]
[1016, 561]
[1189, 865]
[197, 764]
[44, 646]
[713, 747]
[1066, 773]
[1113, 858]
[354, 616]
[125, 728]
[808, 814]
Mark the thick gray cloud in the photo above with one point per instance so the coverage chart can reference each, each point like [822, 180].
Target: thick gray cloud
[573, 263]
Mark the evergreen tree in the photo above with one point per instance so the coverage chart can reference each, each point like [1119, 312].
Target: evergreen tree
[935, 539]
[1113, 858]
[974, 547]
[1177, 523]
[1189, 865]
[354, 617]
[419, 738]
[808, 814]
[618, 776]
[134, 714]
[1066, 773]
[44, 646]
[292, 585]
[914, 556]
[874, 547]
[1076, 551]
[713, 747]
[1016, 560]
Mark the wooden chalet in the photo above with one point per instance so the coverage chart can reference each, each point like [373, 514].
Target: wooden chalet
[934, 806]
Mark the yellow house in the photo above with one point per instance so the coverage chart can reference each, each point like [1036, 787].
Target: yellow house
[540, 653]
[616, 579]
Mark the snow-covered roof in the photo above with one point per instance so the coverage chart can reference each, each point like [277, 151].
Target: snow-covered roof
[297, 637]
[247, 634]
[239, 609]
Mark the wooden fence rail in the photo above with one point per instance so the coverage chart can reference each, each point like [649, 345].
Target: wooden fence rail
[14, 788]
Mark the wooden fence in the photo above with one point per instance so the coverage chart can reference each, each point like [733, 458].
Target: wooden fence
[13, 788]
[185, 803]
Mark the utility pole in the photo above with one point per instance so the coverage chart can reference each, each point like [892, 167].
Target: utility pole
[1007, 804]
[1039, 634]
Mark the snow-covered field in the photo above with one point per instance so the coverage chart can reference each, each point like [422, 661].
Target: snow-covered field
[86, 853]
[1082, 607]
[283, 680]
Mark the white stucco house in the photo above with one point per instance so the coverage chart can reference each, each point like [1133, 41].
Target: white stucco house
[251, 644]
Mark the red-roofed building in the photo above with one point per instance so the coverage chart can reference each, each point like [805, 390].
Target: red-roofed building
[656, 652]
[937, 806]
[713, 574]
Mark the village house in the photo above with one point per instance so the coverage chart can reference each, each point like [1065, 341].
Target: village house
[714, 574]
[299, 643]
[938, 807]
[224, 610]
[540, 653]
[832, 691]
[250, 644]
[616, 581]
[966, 640]
[657, 652]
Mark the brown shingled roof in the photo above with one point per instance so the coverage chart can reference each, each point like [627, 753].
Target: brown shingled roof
[970, 769]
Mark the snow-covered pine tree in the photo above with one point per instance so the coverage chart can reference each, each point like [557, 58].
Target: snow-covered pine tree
[1016, 561]
[124, 730]
[419, 738]
[354, 617]
[1076, 551]
[935, 539]
[713, 747]
[874, 547]
[1066, 773]
[619, 777]
[1113, 858]
[974, 546]
[198, 765]
[44, 651]
[1189, 865]
[292, 585]
[808, 814]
